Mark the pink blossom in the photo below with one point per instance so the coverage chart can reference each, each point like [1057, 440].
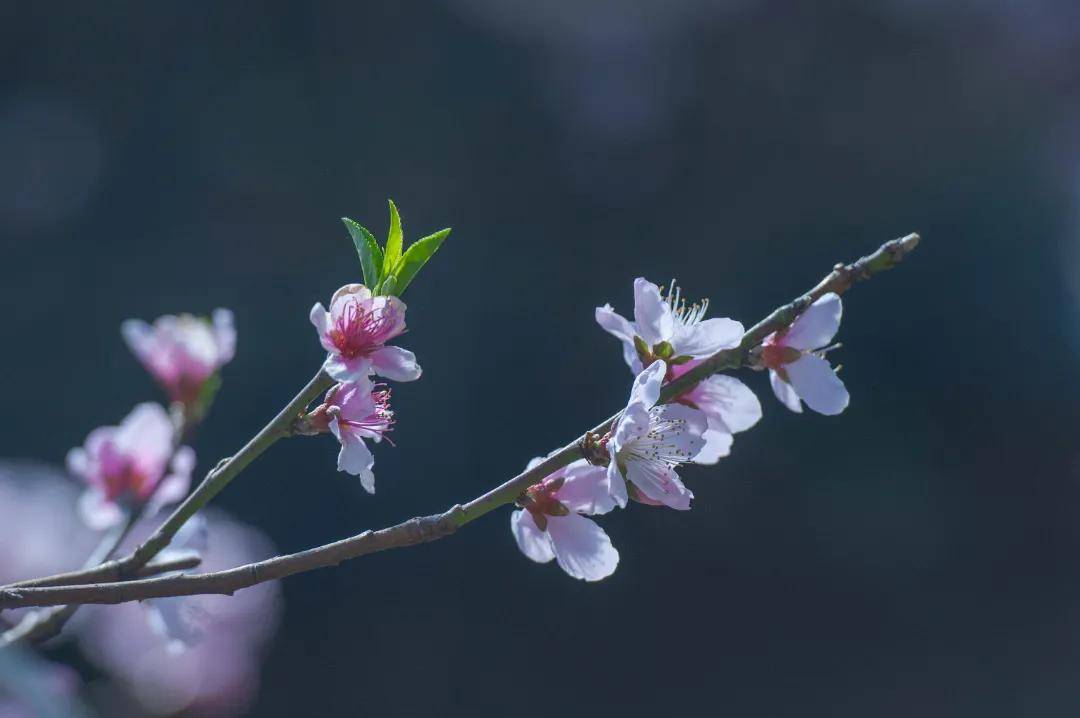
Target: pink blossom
[355, 332]
[182, 352]
[356, 411]
[128, 463]
[650, 440]
[197, 655]
[798, 369]
[728, 403]
[667, 327]
[552, 524]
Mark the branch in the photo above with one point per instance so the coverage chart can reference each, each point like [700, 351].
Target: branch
[430, 528]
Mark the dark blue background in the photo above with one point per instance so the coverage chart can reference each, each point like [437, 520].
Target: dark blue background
[915, 556]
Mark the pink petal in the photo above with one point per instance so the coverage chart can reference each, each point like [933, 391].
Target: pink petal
[659, 482]
[816, 326]
[652, 315]
[533, 542]
[582, 548]
[98, 513]
[785, 392]
[320, 318]
[356, 290]
[585, 490]
[395, 363]
[817, 384]
[728, 399]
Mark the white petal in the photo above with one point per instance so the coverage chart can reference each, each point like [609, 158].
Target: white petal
[785, 392]
[139, 336]
[582, 548]
[355, 458]
[224, 335]
[645, 391]
[659, 482]
[533, 542]
[817, 384]
[708, 337]
[395, 363]
[585, 490]
[614, 323]
[728, 399]
[718, 442]
[817, 325]
[652, 315]
[616, 483]
[344, 370]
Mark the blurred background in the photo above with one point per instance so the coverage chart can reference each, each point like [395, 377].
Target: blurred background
[914, 556]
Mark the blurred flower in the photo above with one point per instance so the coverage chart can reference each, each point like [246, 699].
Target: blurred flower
[197, 654]
[552, 524]
[797, 366]
[666, 328]
[355, 330]
[359, 411]
[127, 464]
[649, 441]
[183, 352]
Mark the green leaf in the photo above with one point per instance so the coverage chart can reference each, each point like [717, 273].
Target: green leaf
[371, 256]
[416, 256]
[388, 286]
[393, 241]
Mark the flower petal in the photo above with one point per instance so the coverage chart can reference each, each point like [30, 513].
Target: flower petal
[785, 392]
[395, 363]
[645, 391]
[817, 325]
[97, 512]
[652, 315]
[533, 542]
[355, 458]
[359, 291]
[347, 370]
[614, 323]
[708, 337]
[320, 318]
[728, 399]
[139, 336]
[585, 489]
[582, 548]
[659, 482]
[224, 335]
[817, 384]
[616, 484]
[717, 445]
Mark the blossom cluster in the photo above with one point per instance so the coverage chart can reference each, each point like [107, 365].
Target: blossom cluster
[637, 459]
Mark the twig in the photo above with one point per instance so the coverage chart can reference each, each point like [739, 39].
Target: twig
[429, 528]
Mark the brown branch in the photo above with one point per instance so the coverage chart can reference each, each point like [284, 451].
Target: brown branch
[430, 528]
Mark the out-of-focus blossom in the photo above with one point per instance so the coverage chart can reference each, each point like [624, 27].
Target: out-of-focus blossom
[198, 655]
[798, 370]
[649, 441]
[183, 352]
[178, 619]
[355, 332]
[666, 328]
[127, 464]
[552, 523]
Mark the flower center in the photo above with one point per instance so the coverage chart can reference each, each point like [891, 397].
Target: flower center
[359, 329]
